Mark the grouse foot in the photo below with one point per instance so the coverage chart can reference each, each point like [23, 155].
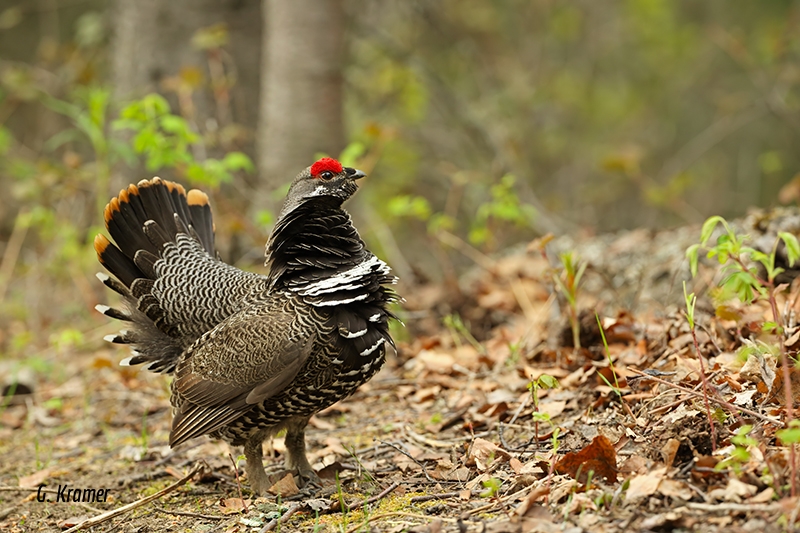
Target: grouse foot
[296, 460]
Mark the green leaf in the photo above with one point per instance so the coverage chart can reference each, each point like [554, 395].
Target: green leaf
[792, 246]
[547, 381]
[351, 153]
[742, 284]
[789, 436]
[440, 221]
[539, 416]
[264, 217]
[491, 485]
[174, 124]
[155, 105]
[769, 327]
[708, 228]
[761, 257]
[126, 124]
[690, 300]
[579, 275]
[238, 161]
[409, 206]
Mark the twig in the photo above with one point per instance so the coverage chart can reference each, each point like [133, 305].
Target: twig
[372, 499]
[722, 402]
[442, 496]
[454, 418]
[436, 443]
[272, 524]
[706, 386]
[787, 382]
[186, 513]
[422, 466]
[736, 507]
[500, 425]
[99, 519]
[501, 501]
[238, 482]
[397, 513]
[710, 337]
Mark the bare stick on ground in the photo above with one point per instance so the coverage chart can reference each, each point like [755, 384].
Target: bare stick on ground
[99, 519]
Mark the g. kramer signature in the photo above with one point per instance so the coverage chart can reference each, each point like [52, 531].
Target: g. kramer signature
[66, 494]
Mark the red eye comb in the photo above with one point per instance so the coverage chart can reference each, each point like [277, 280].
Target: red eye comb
[326, 163]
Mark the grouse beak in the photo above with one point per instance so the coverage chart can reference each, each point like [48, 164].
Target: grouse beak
[354, 174]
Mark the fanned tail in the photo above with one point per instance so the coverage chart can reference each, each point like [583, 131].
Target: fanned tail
[145, 221]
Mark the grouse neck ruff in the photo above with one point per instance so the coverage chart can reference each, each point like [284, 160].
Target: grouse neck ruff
[251, 354]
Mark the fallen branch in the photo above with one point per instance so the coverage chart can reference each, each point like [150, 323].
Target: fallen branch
[281, 519]
[731, 407]
[441, 496]
[186, 513]
[398, 513]
[499, 503]
[736, 507]
[99, 519]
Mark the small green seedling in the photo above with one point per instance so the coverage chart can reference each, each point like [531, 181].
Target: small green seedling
[740, 454]
[545, 381]
[568, 283]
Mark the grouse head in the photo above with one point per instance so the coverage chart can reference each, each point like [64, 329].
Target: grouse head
[326, 179]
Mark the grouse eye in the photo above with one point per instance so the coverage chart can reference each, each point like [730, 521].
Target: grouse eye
[326, 174]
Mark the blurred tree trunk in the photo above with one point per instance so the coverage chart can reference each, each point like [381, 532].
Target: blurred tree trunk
[301, 100]
[152, 41]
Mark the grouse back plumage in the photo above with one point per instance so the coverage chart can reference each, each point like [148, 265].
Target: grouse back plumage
[251, 354]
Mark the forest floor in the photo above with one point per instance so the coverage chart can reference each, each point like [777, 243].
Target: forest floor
[448, 436]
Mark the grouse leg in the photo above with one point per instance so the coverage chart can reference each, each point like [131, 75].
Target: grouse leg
[253, 450]
[296, 460]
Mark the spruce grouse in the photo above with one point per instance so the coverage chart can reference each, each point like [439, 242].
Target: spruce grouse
[251, 354]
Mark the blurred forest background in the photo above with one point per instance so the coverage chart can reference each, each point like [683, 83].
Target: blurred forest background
[481, 125]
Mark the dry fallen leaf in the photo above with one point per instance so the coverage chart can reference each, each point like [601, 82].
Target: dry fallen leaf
[435, 361]
[675, 489]
[598, 457]
[516, 465]
[529, 505]
[284, 487]
[669, 450]
[35, 479]
[72, 521]
[765, 496]
[735, 491]
[483, 453]
[744, 397]
[232, 505]
[645, 485]
[680, 413]
[634, 464]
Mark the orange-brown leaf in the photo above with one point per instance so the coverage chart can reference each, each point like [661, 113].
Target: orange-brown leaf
[599, 457]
